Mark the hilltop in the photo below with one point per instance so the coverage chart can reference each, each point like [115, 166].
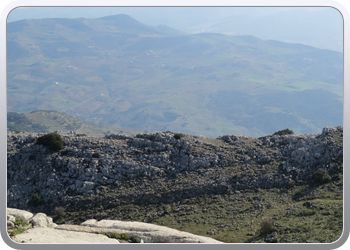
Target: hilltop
[44, 121]
[222, 188]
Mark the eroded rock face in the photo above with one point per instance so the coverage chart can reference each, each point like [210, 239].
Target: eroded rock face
[88, 166]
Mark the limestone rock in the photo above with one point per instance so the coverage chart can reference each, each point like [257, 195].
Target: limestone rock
[41, 220]
[19, 213]
[271, 238]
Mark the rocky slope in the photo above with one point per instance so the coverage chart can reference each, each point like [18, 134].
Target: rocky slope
[151, 176]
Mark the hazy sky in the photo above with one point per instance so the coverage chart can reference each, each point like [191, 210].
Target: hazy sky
[146, 13]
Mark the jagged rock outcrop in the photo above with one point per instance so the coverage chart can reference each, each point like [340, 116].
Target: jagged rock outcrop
[87, 166]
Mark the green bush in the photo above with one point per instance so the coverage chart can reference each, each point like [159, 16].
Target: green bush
[284, 132]
[59, 212]
[52, 141]
[126, 237]
[80, 134]
[267, 226]
[321, 175]
[36, 200]
[179, 135]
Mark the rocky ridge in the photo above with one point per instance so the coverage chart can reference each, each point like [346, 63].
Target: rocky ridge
[148, 176]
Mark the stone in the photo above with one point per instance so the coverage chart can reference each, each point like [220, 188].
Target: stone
[19, 213]
[41, 220]
[271, 238]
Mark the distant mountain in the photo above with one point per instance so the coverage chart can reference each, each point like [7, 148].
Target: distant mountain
[322, 29]
[316, 26]
[45, 121]
[20, 122]
[119, 72]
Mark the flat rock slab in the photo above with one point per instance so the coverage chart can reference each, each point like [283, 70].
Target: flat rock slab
[51, 235]
[150, 233]
[19, 213]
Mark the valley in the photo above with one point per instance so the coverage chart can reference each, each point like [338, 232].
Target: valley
[117, 72]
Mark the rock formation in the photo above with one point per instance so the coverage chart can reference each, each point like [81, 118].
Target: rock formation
[176, 178]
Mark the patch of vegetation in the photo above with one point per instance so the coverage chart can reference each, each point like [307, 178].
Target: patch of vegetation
[179, 135]
[80, 134]
[284, 132]
[266, 136]
[59, 214]
[36, 200]
[281, 132]
[21, 222]
[321, 175]
[20, 122]
[21, 225]
[124, 237]
[267, 226]
[52, 141]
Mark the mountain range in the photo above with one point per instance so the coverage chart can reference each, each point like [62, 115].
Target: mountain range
[118, 72]
[316, 26]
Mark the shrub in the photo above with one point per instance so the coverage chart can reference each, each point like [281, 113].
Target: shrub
[82, 134]
[267, 226]
[36, 200]
[284, 132]
[321, 175]
[52, 141]
[125, 237]
[59, 212]
[179, 135]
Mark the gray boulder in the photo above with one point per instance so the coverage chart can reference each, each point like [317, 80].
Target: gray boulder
[19, 213]
[41, 220]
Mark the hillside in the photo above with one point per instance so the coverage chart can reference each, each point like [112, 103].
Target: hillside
[119, 72]
[44, 121]
[222, 188]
